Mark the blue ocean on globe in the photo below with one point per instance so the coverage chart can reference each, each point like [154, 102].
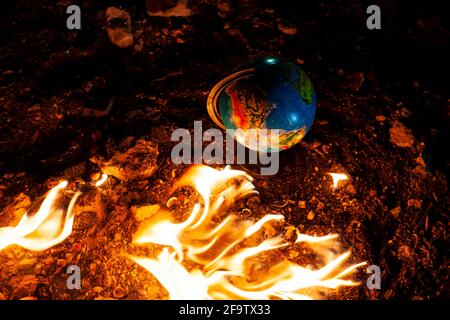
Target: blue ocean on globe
[268, 93]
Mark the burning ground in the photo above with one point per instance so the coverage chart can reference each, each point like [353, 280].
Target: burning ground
[75, 104]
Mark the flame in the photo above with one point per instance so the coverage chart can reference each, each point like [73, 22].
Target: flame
[337, 177]
[43, 229]
[211, 254]
[102, 180]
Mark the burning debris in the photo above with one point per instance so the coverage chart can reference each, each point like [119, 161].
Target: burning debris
[42, 230]
[222, 248]
[214, 253]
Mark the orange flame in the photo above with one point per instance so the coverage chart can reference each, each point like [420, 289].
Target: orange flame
[43, 229]
[223, 247]
[337, 177]
[102, 180]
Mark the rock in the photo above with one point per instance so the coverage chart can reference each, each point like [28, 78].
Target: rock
[293, 254]
[401, 136]
[396, 212]
[136, 163]
[77, 247]
[414, 203]
[354, 81]
[119, 292]
[120, 38]
[93, 268]
[168, 8]
[287, 28]
[18, 208]
[420, 161]
[404, 253]
[302, 204]
[23, 285]
[108, 281]
[223, 7]
[97, 289]
[48, 261]
[310, 215]
[113, 13]
[61, 263]
[84, 219]
[380, 118]
[144, 212]
[351, 189]
[405, 112]
[290, 233]
[420, 170]
[315, 144]
[27, 263]
[119, 27]
[238, 37]
[29, 298]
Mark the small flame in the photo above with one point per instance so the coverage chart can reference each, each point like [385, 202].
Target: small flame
[222, 248]
[102, 180]
[337, 177]
[43, 229]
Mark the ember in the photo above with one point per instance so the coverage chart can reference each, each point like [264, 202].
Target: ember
[337, 177]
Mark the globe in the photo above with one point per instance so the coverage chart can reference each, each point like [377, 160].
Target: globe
[268, 104]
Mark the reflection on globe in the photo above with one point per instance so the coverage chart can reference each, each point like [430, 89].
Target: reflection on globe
[268, 93]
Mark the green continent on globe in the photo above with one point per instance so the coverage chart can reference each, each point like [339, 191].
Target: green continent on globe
[306, 88]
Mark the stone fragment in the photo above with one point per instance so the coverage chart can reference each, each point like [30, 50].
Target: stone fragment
[400, 135]
[136, 163]
[119, 27]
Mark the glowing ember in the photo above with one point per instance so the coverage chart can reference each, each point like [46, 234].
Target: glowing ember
[43, 229]
[102, 180]
[337, 177]
[215, 254]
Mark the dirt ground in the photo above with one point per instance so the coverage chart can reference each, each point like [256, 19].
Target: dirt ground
[382, 118]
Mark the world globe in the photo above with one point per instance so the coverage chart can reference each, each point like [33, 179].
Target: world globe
[268, 104]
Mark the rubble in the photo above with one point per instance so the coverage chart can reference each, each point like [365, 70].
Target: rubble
[400, 135]
[396, 212]
[143, 212]
[168, 8]
[354, 81]
[136, 163]
[119, 27]
[287, 28]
